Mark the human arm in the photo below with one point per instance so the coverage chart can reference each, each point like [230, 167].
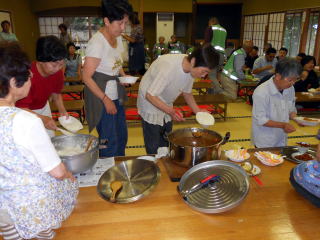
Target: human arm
[89, 67]
[239, 62]
[48, 122]
[208, 35]
[157, 102]
[128, 38]
[258, 68]
[188, 97]
[57, 98]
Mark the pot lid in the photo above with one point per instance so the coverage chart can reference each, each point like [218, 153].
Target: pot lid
[138, 178]
[227, 192]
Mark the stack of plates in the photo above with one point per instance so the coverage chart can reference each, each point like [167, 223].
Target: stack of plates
[217, 197]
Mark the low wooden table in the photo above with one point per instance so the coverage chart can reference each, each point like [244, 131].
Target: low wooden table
[274, 211]
[305, 97]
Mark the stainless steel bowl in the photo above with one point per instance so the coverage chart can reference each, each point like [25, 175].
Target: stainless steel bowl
[79, 162]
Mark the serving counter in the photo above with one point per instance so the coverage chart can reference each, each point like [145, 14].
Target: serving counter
[271, 211]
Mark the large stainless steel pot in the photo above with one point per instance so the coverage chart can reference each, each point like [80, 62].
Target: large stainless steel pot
[79, 162]
[190, 146]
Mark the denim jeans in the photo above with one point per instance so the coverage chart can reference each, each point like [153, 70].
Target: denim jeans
[113, 128]
[154, 136]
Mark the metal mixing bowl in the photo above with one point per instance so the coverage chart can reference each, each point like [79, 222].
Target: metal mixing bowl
[79, 162]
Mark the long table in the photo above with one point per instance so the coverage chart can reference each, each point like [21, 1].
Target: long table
[306, 97]
[274, 211]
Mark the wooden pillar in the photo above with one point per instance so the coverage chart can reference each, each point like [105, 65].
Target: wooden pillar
[304, 34]
[140, 13]
[317, 44]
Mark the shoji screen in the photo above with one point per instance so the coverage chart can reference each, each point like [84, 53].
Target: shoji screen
[248, 28]
[275, 33]
[258, 34]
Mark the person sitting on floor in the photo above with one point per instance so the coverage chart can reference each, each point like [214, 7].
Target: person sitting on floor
[159, 48]
[274, 105]
[37, 191]
[282, 53]
[305, 179]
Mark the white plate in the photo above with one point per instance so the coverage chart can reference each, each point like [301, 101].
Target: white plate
[304, 122]
[205, 119]
[71, 124]
[230, 155]
[128, 79]
[263, 160]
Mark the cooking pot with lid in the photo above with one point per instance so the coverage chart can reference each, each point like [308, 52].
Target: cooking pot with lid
[190, 146]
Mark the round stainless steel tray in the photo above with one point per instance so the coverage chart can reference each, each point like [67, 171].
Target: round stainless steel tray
[138, 178]
[220, 196]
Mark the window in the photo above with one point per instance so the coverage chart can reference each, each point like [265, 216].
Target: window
[248, 27]
[292, 33]
[275, 32]
[312, 32]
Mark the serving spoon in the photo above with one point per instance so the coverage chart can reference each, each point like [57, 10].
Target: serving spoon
[115, 187]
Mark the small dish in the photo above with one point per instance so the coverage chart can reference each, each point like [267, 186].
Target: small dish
[237, 155]
[305, 156]
[71, 124]
[254, 171]
[128, 79]
[268, 158]
[307, 121]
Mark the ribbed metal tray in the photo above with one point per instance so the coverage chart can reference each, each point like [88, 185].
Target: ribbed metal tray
[220, 196]
[138, 178]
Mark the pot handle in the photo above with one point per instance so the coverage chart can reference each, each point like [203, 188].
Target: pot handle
[226, 138]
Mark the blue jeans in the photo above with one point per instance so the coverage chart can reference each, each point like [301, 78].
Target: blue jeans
[113, 128]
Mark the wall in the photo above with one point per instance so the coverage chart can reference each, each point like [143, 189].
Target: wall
[25, 24]
[254, 6]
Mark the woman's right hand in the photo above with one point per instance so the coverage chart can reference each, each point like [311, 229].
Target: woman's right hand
[110, 106]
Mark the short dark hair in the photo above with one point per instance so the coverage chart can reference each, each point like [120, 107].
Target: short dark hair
[284, 49]
[50, 49]
[205, 56]
[271, 50]
[307, 59]
[115, 10]
[255, 48]
[62, 25]
[301, 55]
[69, 44]
[288, 67]
[14, 63]
[4, 22]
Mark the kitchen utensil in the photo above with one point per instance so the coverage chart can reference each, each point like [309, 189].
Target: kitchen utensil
[190, 146]
[128, 79]
[307, 121]
[65, 132]
[268, 158]
[91, 139]
[237, 155]
[81, 162]
[115, 187]
[203, 183]
[138, 176]
[221, 196]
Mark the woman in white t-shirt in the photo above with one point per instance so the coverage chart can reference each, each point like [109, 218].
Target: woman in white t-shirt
[104, 95]
[167, 78]
[37, 191]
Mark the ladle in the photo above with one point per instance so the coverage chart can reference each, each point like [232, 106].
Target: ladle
[115, 187]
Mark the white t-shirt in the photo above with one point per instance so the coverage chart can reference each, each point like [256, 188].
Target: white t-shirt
[111, 60]
[33, 141]
[165, 79]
